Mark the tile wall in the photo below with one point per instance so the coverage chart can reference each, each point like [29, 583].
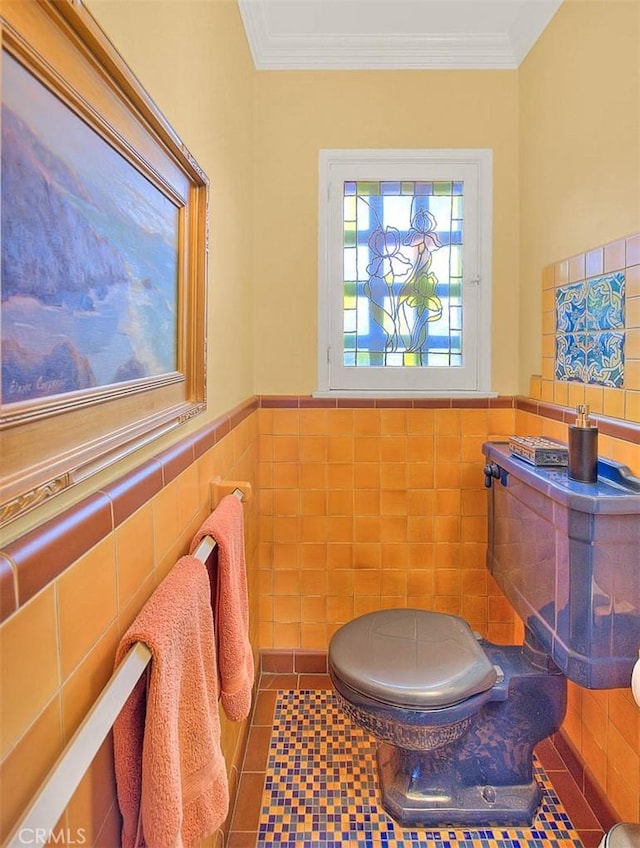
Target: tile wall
[57, 648]
[356, 506]
[356, 514]
[363, 507]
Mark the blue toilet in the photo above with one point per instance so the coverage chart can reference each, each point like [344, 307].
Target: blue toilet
[456, 717]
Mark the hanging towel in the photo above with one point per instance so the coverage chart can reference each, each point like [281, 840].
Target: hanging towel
[235, 656]
[170, 773]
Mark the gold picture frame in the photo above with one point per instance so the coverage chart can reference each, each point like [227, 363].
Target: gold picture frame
[104, 259]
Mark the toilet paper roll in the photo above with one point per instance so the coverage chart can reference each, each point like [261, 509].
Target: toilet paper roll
[635, 682]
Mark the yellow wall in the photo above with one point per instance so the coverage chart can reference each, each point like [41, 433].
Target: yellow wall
[565, 130]
[579, 91]
[194, 61]
[299, 113]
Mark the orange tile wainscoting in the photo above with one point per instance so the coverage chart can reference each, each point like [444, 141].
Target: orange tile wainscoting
[359, 505]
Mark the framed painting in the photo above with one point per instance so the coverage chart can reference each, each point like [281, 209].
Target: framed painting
[103, 226]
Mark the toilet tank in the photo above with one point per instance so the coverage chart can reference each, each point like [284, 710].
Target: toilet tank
[567, 556]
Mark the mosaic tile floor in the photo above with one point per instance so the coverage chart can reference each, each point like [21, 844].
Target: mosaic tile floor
[318, 794]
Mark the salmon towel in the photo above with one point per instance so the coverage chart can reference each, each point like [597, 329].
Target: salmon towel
[235, 655]
[170, 773]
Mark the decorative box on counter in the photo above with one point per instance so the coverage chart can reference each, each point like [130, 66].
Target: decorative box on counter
[537, 450]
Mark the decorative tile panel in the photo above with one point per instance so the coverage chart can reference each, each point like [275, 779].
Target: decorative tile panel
[590, 331]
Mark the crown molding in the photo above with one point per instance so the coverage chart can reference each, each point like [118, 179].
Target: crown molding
[391, 51]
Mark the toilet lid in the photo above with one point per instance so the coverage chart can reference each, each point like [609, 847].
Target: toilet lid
[411, 658]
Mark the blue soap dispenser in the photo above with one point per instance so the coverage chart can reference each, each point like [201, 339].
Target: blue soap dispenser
[583, 448]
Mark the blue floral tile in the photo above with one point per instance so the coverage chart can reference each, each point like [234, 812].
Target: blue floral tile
[571, 308]
[605, 303]
[605, 359]
[571, 356]
[590, 331]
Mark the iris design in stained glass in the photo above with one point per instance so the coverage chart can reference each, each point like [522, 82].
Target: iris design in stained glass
[402, 261]
[590, 331]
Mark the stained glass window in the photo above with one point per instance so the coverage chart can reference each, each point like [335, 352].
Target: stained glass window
[404, 282]
[403, 270]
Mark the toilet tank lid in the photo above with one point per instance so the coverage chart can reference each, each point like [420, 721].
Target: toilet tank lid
[411, 658]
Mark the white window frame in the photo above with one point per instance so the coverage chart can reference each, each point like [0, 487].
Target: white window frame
[475, 167]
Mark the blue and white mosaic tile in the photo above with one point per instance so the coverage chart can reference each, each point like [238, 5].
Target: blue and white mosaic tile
[590, 331]
[321, 791]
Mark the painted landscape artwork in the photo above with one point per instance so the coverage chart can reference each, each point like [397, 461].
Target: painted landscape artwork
[89, 251]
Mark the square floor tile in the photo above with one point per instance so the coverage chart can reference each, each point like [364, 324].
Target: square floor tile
[321, 790]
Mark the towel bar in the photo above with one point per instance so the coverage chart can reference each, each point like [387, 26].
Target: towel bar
[62, 780]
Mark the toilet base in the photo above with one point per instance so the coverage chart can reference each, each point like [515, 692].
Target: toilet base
[486, 775]
[414, 799]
